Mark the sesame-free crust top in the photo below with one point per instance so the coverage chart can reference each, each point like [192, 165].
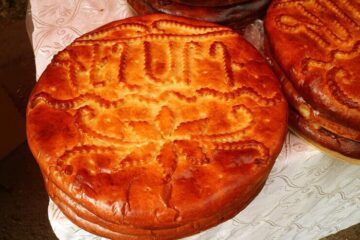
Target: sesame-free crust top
[317, 44]
[158, 122]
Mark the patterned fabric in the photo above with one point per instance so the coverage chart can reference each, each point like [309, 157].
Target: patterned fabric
[308, 195]
[57, 23]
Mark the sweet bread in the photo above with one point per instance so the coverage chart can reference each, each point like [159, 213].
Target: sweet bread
[156, 124]
[320, 74]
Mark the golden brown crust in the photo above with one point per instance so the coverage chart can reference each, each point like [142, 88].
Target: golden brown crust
[142, 121]
[92, 223]
[320, 121]
[325, 138]
[323, 63]
[243, 12]
[305, 109]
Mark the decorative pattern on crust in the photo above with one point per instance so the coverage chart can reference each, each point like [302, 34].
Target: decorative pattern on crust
[160, 110]
[324, 66]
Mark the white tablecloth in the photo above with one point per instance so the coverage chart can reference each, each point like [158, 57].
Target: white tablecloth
[307, 196]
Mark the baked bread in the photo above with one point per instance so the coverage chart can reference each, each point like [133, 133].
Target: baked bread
[156, 127]
[320, 75]
[240, 13]
[323, 64]
[333, 138]
[91, 222]
[329, 142]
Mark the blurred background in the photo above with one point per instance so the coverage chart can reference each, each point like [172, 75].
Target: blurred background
[23, 200]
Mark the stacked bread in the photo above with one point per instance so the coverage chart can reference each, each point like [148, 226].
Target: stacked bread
[315, 49]
[156, 127]
[233, 13]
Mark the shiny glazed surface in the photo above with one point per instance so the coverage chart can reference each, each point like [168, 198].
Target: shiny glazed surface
[317, 43]
[158, 122]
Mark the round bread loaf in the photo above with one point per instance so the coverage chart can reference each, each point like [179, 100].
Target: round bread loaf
[156, 127]
[320, 74]
[313, 126]
[91, 222]
[317, 44]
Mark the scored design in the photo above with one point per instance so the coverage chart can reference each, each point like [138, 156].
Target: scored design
[333, 25]
[156, 126]
[142, 121]
[158, 83]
